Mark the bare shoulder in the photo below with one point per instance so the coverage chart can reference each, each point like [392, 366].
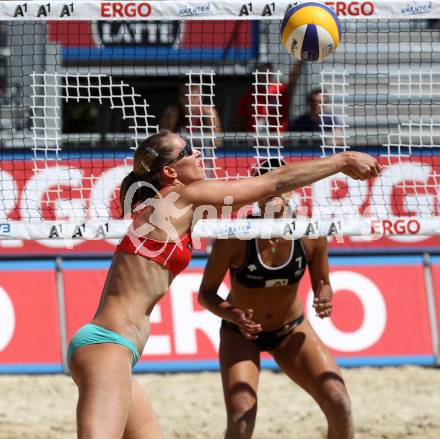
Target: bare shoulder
[230, 249]
[314, 246]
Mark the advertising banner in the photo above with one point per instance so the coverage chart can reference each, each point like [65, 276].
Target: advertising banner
[29, 326]
[380, 315]
[202, 9]
[155, 41]
[405, 188]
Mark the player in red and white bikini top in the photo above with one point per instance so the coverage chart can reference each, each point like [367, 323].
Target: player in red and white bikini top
[175, 256]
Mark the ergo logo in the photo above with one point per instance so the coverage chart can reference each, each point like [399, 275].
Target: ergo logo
[396, 227]
[125, 10]
[353, 9]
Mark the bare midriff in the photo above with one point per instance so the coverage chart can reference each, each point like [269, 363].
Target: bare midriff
[133, 286]
[273, 306]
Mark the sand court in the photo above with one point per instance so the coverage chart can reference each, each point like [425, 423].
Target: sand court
[388, 403]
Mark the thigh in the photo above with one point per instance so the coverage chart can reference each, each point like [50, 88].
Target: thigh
[240, 369]
[307, 361]
[102, 373]
[142, 422]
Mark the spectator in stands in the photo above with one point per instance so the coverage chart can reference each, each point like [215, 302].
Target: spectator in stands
[190, 111]
[245, 109]
[312, 121]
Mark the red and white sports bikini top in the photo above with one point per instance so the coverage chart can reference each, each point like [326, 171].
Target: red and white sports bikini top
[174, 256]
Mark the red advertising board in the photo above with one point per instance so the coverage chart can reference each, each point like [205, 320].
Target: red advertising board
[94, 182]
[81, 297]
[380, 308]
[29, 326]
[380, 314]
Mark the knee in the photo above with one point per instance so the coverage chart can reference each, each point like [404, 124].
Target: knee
[241, 418]
[335, 401]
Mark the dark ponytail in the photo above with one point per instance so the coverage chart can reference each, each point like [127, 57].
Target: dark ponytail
[125, 186]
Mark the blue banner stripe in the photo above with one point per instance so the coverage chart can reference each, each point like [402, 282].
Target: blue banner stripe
[375, 260]
[19, 265]
[90, 264]
[131, 54]
[201, 365]
[104, 264]
[213, 365]
[31, 368]
[239, 152]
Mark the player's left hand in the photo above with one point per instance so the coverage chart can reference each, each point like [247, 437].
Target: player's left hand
[323, 300]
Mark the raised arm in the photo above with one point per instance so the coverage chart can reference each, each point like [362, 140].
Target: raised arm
[294, 76]
[212, 118]
[218, 264]
[284, 179]
[319, 276]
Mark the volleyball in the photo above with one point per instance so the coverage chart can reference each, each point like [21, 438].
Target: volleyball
[310, 31]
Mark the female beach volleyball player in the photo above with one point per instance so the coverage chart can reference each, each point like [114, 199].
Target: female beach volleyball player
[263, 313]
[101, 354]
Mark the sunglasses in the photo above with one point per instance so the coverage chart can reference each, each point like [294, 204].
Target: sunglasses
[187, 151]
[148, 164]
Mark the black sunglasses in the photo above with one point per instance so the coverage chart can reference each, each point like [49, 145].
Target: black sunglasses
[148, 164]
[187, 151]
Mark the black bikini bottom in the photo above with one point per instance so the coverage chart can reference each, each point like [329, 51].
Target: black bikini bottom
[268, 340]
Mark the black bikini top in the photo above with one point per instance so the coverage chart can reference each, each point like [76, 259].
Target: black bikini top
[253, 273]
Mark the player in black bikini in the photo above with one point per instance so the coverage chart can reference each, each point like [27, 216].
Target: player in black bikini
[264, 313]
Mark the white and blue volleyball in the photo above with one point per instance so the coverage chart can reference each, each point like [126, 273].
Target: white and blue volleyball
[311, 31]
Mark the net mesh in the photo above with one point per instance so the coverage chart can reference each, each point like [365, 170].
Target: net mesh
[78, 96]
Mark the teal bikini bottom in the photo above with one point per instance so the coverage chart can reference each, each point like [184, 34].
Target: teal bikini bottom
[93, 334]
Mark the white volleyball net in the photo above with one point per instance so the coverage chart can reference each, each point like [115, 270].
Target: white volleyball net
[83, 83]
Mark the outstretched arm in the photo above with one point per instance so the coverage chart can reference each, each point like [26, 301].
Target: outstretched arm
[284, 179]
